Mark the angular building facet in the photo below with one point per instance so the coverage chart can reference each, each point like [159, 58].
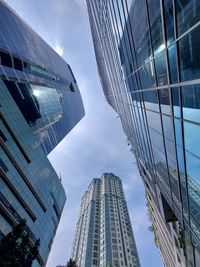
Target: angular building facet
[148, 57]
[104, 235]
[39, 104]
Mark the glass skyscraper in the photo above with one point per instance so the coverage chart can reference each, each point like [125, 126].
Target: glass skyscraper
[148, 57]
[104, 235]
[39, 104]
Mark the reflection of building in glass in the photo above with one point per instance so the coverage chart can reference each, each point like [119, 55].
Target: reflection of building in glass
[148, 56]
[39, 104]
[104, 234]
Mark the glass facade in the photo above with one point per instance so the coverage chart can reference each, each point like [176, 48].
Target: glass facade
[148, 58]
[39, 104]
[104, 235]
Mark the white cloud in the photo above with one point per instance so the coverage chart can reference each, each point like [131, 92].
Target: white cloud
[59, 49]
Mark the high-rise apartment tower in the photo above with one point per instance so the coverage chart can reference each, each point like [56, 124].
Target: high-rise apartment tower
[39, 104]
[148, 57]
[104, 235]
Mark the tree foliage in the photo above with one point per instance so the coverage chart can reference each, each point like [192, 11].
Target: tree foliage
[71, 263]
[16, 249]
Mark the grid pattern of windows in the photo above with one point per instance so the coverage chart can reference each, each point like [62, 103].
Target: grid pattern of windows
[39, 104]
[148, 55]
[103, 233]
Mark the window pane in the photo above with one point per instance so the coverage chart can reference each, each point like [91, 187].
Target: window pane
[172, 64]
[164, 101]
[191, 102]
[189, 50]
[188, 13]
[175, 101]
[147, 75]
[155, 25]
[161, 72]
[169, 21]
[151, 100]
[140, 31]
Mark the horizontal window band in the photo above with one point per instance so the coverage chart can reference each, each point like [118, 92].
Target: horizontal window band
[14, 138]
[16, 194]
[21, 173]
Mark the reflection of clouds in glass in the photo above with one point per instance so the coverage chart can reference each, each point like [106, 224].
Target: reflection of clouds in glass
[191, 114]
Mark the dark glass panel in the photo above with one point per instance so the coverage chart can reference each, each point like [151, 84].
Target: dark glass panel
[155, 25]
[140, 30]
[172, 64]
[26, 102]
[151, 100]
[176, 101]
[189, 52]
[17, 64]
[169, 20]
[164, 101]
[161, 71]
[5, 59]
[147, 75]
[191, 102]
[188, 13]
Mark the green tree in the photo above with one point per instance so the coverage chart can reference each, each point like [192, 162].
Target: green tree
[71, 263]
[16, 249]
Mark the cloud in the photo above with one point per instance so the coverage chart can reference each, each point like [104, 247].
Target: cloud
[59, 50]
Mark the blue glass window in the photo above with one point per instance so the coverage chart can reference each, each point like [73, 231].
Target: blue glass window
[169, 20]
[188, 13]
[172, 64]
[164, 101]
[151, 100]
[189, 52]
[176, 101]
[155, 25]
[191, 102]
[161, 71]
[147, 75]
[140, 31]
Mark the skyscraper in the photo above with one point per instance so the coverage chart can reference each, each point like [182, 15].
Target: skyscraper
[104, 235]
[147, 53]
[39, 104]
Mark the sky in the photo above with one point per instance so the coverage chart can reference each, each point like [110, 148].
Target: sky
[97, 144]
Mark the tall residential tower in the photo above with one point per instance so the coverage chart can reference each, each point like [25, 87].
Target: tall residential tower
[104, 235]
[148, 57]
[39, 104]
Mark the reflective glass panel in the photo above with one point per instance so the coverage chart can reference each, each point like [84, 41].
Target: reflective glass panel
[172, 64]
[189, 53]
[147, 75]
[161, 72]
[164, 101]
[155, 25]
[176, 101]
[151, 100]
[191, 102]
[188, 13]
[169, 21]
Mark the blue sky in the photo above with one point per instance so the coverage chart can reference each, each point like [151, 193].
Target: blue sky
[97, 144]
